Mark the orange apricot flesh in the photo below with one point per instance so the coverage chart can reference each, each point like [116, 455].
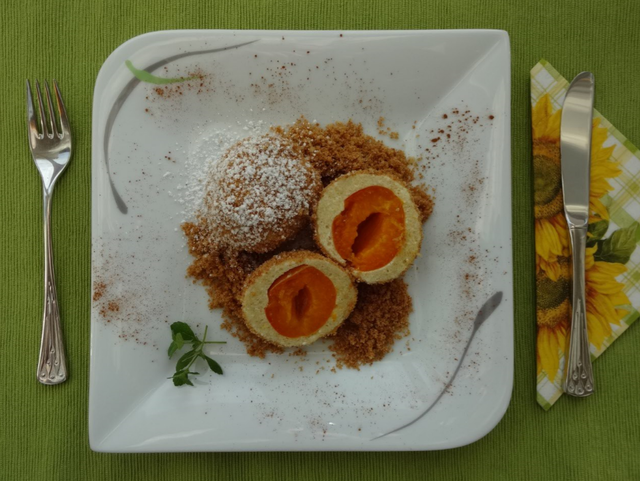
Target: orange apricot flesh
[300, 301]
[369, 232]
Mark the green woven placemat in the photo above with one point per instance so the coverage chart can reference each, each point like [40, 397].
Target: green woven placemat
[43, 434]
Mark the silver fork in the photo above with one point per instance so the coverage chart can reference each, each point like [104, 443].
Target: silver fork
[51, 151]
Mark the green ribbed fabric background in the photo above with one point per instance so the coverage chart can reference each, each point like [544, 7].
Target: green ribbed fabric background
[43, 432]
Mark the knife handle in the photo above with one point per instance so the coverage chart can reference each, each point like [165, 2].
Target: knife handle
[579, 373]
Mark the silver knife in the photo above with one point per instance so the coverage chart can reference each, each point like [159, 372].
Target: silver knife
[575, 155]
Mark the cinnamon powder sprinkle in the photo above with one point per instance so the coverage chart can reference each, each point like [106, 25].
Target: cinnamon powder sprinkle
[382, 313]
[98, 290]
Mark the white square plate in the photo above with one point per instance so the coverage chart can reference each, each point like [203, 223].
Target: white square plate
[147, 138]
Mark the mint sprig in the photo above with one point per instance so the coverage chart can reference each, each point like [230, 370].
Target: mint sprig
[182, 334]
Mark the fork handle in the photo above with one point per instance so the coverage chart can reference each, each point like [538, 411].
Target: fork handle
[52, 364]
[579, 373]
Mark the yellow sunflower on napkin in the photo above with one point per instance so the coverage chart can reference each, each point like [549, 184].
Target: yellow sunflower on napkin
[553, 250]
[552, 235]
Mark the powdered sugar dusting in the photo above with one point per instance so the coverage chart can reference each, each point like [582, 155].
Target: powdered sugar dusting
[205, 149]
[258, 194]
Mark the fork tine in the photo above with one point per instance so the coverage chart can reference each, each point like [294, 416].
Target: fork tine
[53, 127]
[64, 120]
[43, 129]
[31, 115]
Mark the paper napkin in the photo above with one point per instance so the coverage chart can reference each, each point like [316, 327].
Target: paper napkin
[612, 261]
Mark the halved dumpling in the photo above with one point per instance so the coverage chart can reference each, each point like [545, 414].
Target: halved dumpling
[295, 298]
[368, 222]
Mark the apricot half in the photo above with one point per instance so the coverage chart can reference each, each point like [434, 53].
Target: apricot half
[369, 232]
[368, 222]
[300, 301]
[295, 298]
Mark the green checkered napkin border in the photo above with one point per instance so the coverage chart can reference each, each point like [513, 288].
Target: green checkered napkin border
[623, 204]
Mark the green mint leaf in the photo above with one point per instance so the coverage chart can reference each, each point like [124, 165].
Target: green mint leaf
[184, 330]
[597, 230]
[213, 365]
[173, 347]
[181, 378]
[186, 359]
[619, 247]
[182, 334]
[179, 340]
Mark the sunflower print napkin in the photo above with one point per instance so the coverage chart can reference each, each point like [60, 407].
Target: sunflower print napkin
[612, 261]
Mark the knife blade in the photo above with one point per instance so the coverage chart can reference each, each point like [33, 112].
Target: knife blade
[575, 160]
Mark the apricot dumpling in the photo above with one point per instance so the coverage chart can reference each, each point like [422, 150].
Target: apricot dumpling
[368, 222]
[297, 297]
